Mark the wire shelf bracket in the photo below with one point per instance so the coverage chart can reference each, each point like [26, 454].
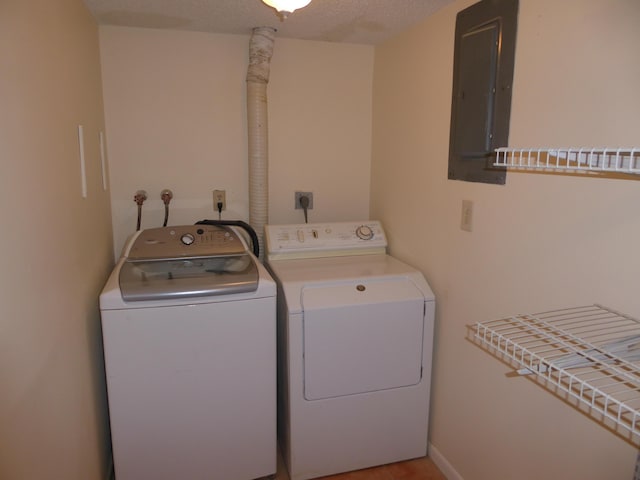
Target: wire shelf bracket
[588, 356]
[571, 160]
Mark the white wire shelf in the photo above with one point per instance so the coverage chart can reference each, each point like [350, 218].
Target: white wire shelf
[581, 160]
[589, 356]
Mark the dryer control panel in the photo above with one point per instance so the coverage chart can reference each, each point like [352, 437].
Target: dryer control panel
[308, 240]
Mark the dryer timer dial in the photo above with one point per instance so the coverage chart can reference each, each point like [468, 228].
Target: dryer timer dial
[364, 232]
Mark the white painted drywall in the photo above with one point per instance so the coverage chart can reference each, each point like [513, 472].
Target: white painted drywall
[539, 242]
[175, 109]
[56, 245]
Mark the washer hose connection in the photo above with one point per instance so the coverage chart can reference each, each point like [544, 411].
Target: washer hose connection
[166, 195]
[139, 198]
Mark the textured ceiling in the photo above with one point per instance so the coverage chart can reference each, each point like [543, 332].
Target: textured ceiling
[347, 21]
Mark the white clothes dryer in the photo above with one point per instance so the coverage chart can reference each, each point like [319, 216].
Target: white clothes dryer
[355, 341]
[189, 331]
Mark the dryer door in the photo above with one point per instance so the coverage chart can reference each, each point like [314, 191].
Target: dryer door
[361, 337]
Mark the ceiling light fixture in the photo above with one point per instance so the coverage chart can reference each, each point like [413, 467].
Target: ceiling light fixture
[285, 7]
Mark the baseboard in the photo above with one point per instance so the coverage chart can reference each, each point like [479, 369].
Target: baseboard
[443, 464]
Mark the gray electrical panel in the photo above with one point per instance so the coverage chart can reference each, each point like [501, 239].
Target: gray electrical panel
[482, 80]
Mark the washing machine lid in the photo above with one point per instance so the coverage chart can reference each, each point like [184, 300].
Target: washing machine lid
[186, 261]
[184, 278]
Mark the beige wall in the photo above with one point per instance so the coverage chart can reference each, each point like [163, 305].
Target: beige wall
[540, 242]
[56, 245]
[176, 116]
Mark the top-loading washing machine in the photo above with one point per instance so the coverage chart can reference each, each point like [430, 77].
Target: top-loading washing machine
[189, 331]
[355, 340]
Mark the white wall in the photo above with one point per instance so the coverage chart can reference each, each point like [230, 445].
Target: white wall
[540, 242]
[56, 245]
[175, 109]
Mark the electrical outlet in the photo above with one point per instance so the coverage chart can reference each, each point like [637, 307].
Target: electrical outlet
[219, 196]
[466, 218]
[299, 195]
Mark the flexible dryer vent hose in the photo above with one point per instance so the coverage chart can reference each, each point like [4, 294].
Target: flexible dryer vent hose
[260, 52]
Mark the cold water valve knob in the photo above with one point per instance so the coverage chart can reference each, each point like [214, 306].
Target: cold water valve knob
[364, 232]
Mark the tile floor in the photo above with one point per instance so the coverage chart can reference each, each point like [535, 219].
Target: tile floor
[418, 469]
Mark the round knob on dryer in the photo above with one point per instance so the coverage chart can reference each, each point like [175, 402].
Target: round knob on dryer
[364, 232]
[187, 239]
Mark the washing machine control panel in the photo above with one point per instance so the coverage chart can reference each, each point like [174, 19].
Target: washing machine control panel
[185, 241]
[325, 239]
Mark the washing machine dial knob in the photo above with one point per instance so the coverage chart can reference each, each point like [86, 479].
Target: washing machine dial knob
[364, 232]
[187, 239]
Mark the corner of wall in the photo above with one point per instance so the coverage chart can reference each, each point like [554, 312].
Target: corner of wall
[443, 464]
